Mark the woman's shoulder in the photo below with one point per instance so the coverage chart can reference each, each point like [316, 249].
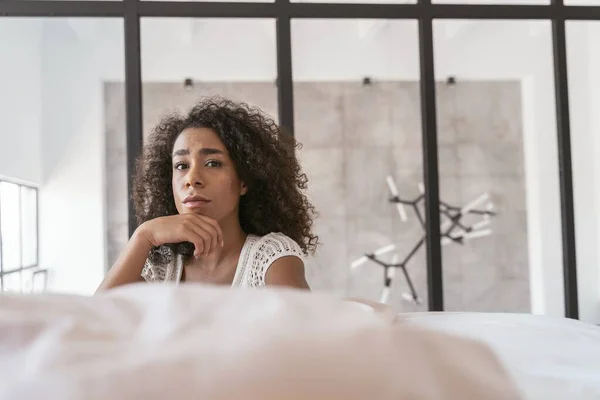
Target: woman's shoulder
[275, 245]
[262, 252]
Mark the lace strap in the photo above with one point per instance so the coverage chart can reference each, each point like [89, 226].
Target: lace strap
[158, 273]
[153, 273]
[269, 249]
[170, 272]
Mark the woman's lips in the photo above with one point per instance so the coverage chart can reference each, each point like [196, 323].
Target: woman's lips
[196, 203]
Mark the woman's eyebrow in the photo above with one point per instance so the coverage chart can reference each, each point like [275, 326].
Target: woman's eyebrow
[209, 151]
[204, 151]
[181, 152]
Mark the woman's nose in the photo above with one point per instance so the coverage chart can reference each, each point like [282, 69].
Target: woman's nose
[194, 179]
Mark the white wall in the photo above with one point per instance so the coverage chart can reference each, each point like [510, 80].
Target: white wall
[51, 105]
[72, 203]
[20, 101]
[584, 67]
[591, 307]
[543, 190]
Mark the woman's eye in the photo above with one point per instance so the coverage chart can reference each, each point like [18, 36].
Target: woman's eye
[180, 166]
[213, 163]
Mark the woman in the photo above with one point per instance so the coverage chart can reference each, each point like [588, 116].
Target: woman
[218, 197]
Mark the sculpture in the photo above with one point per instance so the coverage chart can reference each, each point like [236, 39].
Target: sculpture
[452, 230]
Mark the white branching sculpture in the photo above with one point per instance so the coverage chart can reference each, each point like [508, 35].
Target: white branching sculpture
[452, 230]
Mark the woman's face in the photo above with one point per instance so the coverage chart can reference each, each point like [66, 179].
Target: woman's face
[204, 177]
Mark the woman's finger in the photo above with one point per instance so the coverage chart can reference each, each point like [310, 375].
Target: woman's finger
[204, 221]
[188, 234]
[214, 234]
[205, 236]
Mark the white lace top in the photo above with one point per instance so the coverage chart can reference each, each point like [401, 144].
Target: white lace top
[258, 253]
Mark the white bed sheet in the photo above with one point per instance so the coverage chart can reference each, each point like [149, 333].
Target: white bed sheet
[194, 342]
[549, 358]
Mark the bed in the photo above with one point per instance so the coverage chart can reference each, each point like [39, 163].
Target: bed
[548, 358]
[197, 341]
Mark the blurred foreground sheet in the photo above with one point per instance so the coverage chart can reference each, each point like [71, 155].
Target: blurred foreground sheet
[202, 342]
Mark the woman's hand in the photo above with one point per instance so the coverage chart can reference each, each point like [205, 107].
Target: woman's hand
[203, 232]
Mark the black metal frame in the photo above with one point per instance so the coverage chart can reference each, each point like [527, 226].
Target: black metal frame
[284, 11]
[21, 267]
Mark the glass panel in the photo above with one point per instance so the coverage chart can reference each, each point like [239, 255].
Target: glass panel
[582, 2]
[206, 64]
[24, 282]
[185, 60]
[12, 283]
[81, 0]
[513, 2]
[228, 1]
[29, 226]
[359, 2]
[499, 167]
[53, 105]
[39, 281]
[10, 225]
[357, 116]
[583, 61]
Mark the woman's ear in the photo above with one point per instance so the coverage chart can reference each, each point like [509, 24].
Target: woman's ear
[244, 189]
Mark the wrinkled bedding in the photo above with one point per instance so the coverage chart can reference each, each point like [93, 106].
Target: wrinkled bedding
[201, 342]
[548, 358]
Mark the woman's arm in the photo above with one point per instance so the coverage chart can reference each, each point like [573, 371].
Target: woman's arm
[204, 232]
[287, 271]
[128, 267]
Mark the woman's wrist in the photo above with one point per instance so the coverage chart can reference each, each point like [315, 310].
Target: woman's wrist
[141, 237]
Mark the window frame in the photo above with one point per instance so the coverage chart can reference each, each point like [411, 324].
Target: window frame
[284, 11]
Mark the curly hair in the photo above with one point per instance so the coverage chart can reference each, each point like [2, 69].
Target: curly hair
[264, 159]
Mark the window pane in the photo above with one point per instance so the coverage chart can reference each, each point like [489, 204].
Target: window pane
[513, 2]
[229, 1]
[10, 225]
[25, 282]
[499, 163]
[582, 2]
[584, 80]
[85, 0]
[357, 1]
[29, 225]
[12, 283]
[357, 115]
[53, 75]
[207, 64]
[39, 281]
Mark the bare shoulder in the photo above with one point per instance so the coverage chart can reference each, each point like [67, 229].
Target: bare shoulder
[287, 271]
[286, 266]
